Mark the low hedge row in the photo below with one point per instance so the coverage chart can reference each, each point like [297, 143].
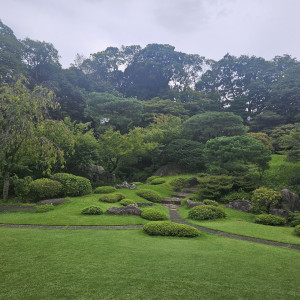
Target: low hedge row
[112, 198]
[149, 195]
[206, 212]
[127, 201]
[92, 210]
[44, 188]
[266, 219]
[153, 214]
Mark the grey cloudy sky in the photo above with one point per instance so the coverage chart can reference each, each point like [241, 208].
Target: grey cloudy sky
[210, 28]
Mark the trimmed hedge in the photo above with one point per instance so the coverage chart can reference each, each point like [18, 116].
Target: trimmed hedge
[44, 188]
[210, 202]
[297, 230]
[112, 198]
[266, 219]
[73, 185]
[167, 228]
[149, 195]
[92, 210]
[152, 178]
[153, 214]
[158, 181]
[104, 190]
[127, 201]
[206, 212]
[44, 208]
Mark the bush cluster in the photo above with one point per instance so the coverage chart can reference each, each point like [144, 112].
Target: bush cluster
[179, 182]
[294, 219]
[206, 212]
[21, 186]
[112, 198]
[92, 210]
[44, 208]
[210, 202]
[266, 219]
[149, 195]
[104, 190]
[235, 196]
[167, 228]
[152, 178]
[297, 230]
[44, 188]
[158, 181]
[127, 201]
[73, 185]
[154, 214]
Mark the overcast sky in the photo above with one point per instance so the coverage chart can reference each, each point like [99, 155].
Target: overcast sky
[210, 28]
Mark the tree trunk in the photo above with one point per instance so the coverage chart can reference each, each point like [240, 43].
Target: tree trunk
[6, 186]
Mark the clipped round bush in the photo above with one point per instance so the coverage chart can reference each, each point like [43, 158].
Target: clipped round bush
[73, 185]
[112, 198]
[44, 188]
[153, 214]
[149, 195]
[266, 219]
[297, 230]
[44, 208]
[206, 212]
[152, 178]
[127, 201]
[104, 190]
[137, 183]
[167, 228]
[235, 196]
[92, 210]
[158, 181]
[210, 202]
[179, 182]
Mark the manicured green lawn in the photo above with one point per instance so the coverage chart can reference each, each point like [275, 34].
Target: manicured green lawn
[241, 223]
[128, 264]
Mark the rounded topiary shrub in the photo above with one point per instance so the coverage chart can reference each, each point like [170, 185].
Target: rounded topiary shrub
[152, 178]
[149, 195]
[73, 185]
[44, 188]
[158, 181]
[153, 214]
[206, 212]
[44, 208]
[92, 210]
[210, 202]
[112, 198]
[297, 230]
[127, 201]
[266, 219]
[104, 190]
[167, 228]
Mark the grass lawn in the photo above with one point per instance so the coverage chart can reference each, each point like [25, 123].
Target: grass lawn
[241, 223]
[128, 264]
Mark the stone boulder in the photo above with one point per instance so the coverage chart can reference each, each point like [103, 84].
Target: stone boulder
[279, 212]
[131, 209]
[145, 204]
[290, 201]
[240, 204]
[191, 203]
[126, 185]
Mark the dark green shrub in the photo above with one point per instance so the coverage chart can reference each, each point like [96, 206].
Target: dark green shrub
[136, 183]
[297, 230]
[179, 182]
[152, 178]
[294, 219]
[126, 202]
[112, 198]
[21, 187]
[44, 188]
[73, 185]
[167, 228]
[149, 195]
[235, 196]
[206, 212]
[263, 199]
[266, 219]
[158, 181]
[210, 202]
[104, 190]
[44, 208]
[92, 210]
[153, 214]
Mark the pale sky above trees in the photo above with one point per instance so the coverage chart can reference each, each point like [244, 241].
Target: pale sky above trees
[210, 28]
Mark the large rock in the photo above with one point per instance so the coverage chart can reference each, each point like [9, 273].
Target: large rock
[131, 209]
[240, 204]
[279, 212]
[126, 185]
[191, 203]
[290, 201]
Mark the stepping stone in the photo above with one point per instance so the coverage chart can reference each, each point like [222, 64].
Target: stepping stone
[176, 201]
[181, 195]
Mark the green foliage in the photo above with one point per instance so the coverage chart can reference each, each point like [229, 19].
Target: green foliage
[235, 196]
[206, 212]
[153, 214]
[166, 228]
[73, 185]
[149, 195]
[21, 187]
[297, 230]
[210, 202]
[44, 208]
[262, 138]
[179, 182]
[152, 178]
[263, 199]
[294, 219]
[112, 198]
[127, 201]
[158, 181]
[104, 190]
[266, 219]
[92, 210]
[44, 188]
